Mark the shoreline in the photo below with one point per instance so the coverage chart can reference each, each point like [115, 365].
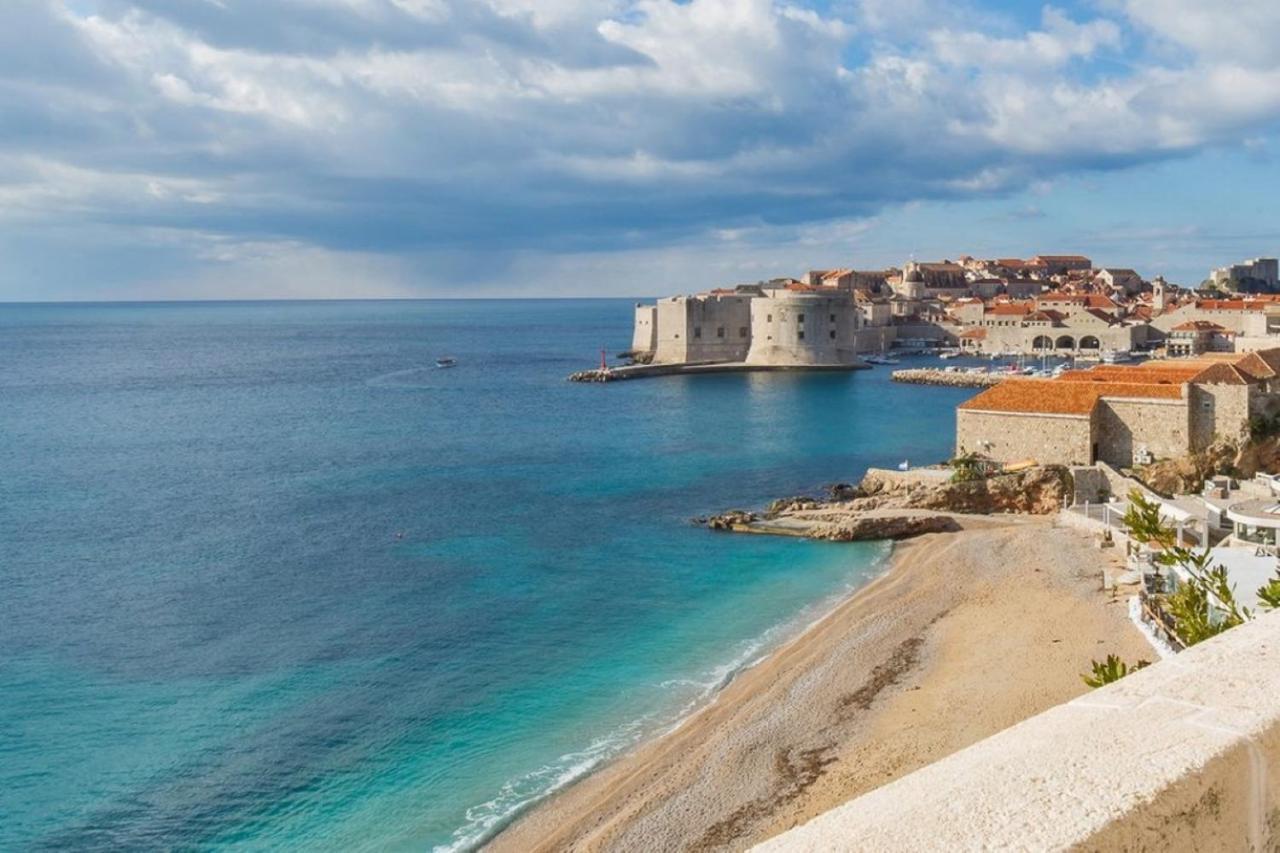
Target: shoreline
[829, 712]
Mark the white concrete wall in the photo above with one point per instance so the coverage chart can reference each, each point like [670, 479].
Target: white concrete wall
[1183, 755]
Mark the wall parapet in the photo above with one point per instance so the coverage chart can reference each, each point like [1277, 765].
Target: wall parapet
[1183, 755]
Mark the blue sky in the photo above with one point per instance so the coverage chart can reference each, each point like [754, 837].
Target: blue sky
[350, 148]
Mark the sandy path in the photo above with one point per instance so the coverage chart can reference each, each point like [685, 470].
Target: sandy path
[967, 634]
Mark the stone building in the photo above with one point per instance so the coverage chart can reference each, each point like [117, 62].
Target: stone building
[644, 335]
[1062, 264]
[1121, 414]
[713, 326]
[804, 326]
[792, 324]
[1073, 327]
[1259, 275]
[1195, 337]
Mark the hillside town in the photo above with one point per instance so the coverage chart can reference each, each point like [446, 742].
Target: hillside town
[1060, 305]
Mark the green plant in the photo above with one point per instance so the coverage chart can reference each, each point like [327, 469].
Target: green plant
[1269, 595]
[1261, 426]
[1192, 604]
[967, 468]
[1112, 669]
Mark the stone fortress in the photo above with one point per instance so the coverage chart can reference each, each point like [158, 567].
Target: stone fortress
[1059, 305]
[786, 326]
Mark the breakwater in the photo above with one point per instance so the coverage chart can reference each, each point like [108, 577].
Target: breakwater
[637, 371]
[949, 378]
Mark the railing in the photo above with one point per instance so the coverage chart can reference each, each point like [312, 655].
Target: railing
[1159, 618]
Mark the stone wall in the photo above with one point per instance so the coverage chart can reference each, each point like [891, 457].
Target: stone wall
[1125, 426]
[874, 339]
[944, 335]
[789, 328]
[703, 328]
[644, 335]
[1218, 411]
[1020, 338]
[1012, 437]
[1182, 755]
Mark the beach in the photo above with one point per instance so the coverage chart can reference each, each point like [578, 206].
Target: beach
[965, 634]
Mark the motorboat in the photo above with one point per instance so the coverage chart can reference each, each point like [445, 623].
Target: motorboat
[445, 361]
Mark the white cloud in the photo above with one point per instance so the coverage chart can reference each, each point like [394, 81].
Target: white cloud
[397, 126]
[1058, 41]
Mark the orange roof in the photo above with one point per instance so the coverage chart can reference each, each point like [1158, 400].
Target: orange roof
[1013, 309]
[1254, 303]
[1134, 374]
[1198, 326]
[974, 334]
[1053, 397]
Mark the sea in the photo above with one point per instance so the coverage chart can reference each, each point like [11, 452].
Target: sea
[270, 579]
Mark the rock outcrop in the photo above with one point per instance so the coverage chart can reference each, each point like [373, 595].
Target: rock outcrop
[886, 505]
[1188, 473]
[856, 528]
[1040, 490]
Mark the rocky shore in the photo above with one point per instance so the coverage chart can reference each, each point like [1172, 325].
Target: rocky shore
[949, 378]
[893, 505]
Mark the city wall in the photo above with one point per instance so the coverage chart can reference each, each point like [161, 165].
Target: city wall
[1182, 755]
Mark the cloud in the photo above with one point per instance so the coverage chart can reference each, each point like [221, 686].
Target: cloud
[415, 130]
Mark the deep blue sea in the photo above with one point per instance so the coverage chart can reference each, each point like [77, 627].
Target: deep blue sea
[269, 579]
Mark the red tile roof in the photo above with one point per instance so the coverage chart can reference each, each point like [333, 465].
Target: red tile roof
[1053, 397]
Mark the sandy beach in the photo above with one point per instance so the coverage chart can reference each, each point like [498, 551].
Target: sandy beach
[964, 635]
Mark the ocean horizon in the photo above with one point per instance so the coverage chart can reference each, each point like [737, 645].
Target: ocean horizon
[275, 580]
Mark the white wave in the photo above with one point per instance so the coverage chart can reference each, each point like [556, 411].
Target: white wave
[486, 819]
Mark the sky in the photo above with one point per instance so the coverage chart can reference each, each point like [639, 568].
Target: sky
[201, 149]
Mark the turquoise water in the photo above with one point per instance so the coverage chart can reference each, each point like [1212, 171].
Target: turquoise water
[272, 580]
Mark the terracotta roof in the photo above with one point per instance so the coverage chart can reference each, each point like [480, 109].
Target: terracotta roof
[974, 334]
[1223, 374]
[1134, 374]
[1100, 314]
[1054, 397]
[1010, 309]
[1059, 258]
[1198, 326]
[1254, 303]
[800, 287]
[1048, 315]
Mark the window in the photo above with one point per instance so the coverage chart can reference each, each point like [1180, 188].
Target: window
[769, 318]
[800, 334]
[800, 319]
[742, 331]
[832, 334]
[720, 331]
[833, 318]
[697, 331]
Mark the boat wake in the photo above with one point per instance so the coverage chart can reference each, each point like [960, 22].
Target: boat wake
[404, 378]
